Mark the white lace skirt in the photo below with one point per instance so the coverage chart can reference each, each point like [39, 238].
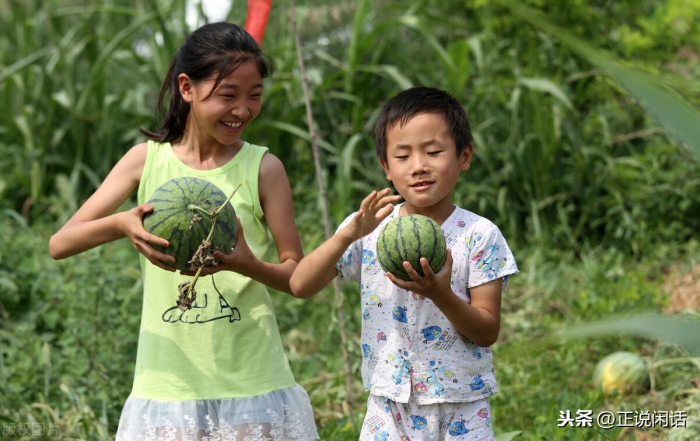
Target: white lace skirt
[281, 415]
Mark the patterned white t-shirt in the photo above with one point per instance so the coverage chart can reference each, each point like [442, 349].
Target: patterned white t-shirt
[408, 345]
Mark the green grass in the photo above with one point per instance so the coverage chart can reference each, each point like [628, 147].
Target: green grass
[595, 199]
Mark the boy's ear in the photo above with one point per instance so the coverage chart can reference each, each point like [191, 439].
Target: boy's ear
[465, 158]
[385, 166]
[185, 85]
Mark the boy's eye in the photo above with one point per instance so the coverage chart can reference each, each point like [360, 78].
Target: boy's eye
[401, 157]
[435, 153]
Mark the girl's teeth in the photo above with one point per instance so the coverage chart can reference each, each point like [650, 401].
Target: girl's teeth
[232, 125]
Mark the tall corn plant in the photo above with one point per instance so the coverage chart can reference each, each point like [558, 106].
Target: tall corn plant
[76, 83]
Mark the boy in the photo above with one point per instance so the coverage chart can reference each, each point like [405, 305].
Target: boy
[426, 361]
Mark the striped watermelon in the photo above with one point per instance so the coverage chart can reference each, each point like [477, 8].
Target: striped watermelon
[621, 373]
[172, 218]
[408, 238]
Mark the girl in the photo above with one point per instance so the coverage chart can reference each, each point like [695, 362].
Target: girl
[216, 370]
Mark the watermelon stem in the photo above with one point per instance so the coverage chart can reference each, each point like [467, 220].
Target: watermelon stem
[193, 207]
[213, 215]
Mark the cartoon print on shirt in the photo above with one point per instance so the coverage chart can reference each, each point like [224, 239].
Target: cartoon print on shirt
[476, 352]
[473, 240]
[419, 422]
[202, 313]
[458, 428]
[477, 383]
[399, 314]
[381, 436]
[486, 259]
[370, 263]
[430, 333]
[365, 314]
[381, 337]
[430, 379]
[372, 299]
[346, 259]
[400, 361]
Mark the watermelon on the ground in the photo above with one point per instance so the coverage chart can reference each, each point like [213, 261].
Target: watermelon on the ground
[408, 238]
[172, 218]
[622, 373]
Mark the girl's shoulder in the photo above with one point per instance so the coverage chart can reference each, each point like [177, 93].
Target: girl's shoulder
[132, 163]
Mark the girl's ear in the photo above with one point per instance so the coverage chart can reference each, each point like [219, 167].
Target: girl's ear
[186, 87]
[465, 158]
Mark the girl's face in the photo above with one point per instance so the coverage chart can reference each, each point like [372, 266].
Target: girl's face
[222, 116]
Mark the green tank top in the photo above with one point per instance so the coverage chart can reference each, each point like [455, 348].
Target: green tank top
[228, 346]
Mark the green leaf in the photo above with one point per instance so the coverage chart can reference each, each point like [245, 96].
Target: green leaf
[545, 85]
[672, 111]
[682, 331]
[508, 436]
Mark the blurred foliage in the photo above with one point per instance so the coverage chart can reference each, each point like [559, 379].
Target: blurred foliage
[593, 195]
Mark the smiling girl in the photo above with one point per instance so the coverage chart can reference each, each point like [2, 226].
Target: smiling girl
[226, 377]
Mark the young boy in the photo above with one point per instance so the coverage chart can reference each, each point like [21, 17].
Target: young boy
[426, 361]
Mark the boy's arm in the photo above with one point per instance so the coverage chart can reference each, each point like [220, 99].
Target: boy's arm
[479, 321]
[317, 269]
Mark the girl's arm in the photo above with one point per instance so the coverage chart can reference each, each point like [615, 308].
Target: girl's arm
[94, 224]
[276, 201]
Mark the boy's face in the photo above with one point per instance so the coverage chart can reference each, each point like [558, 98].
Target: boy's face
[422, 162]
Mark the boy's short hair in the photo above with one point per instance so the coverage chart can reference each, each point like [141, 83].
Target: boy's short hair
[416, 100]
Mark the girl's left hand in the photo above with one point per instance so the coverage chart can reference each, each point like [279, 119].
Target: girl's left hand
[239, 257]
[431, 285]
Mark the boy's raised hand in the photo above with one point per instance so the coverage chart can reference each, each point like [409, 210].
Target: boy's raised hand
[431, 285]
[373, 210]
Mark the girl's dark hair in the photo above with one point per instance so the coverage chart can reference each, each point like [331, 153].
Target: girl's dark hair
[417, 100]
[215, 48]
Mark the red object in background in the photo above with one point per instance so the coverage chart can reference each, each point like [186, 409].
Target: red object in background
[256, 18]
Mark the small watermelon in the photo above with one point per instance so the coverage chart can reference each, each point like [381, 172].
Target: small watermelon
[621, 372]
[408, 238]
[173, 218]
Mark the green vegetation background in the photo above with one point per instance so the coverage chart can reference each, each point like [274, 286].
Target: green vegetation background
[597, 200]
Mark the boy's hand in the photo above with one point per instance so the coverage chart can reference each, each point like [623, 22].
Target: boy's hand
[373, 210]
[432, 285]
[235, 261]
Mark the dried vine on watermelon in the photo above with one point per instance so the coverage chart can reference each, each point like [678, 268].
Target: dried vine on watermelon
[180, 214]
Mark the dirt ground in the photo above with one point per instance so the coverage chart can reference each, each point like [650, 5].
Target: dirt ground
[684, 289]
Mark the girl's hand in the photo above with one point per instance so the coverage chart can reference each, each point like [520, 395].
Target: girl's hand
[132, 225]
[431, 285]
[236, 260]
[373, 210]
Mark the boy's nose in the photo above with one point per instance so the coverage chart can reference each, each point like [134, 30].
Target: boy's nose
[418, 165]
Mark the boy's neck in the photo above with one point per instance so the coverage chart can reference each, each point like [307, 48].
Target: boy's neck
[438, 212]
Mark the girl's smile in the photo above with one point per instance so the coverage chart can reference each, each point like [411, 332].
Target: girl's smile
[222, 114]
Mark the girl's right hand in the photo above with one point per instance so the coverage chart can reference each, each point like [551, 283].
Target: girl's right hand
[132, 225]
